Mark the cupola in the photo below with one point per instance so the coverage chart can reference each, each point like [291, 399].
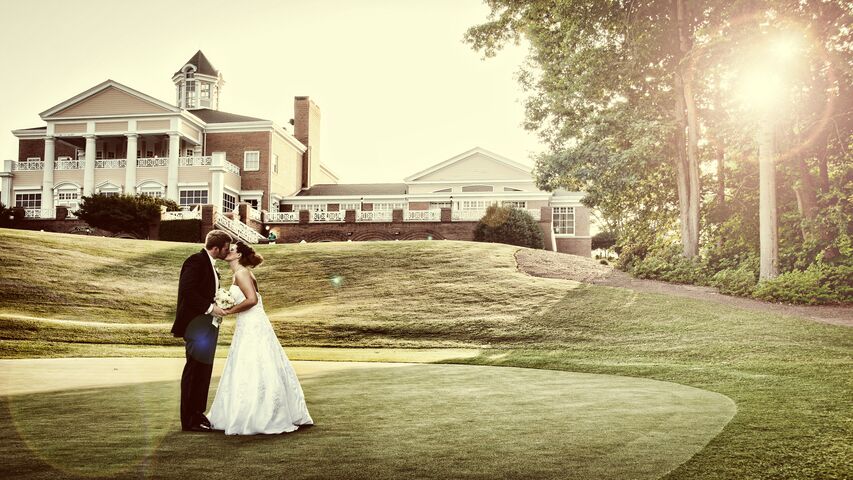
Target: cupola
[198, 84]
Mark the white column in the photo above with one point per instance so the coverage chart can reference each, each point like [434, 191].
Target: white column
[89, 167]
[130, 169]
[6, 197]
[47, 175]
[174, 152]
[767, 233]
[217, 179]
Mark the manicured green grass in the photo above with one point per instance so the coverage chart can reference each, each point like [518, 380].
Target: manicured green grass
[426, 421]
[789, 377]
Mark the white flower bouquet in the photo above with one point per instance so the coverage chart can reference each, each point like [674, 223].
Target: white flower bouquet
[223, 300]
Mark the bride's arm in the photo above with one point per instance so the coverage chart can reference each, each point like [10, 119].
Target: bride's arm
[243, 279]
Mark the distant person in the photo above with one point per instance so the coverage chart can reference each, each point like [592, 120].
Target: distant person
[272, 237]
[258, 391]
[197, 321]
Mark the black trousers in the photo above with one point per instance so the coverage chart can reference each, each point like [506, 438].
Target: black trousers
[200, 338]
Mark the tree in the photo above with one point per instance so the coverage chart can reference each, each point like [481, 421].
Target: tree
[508, 225]
[123, 213]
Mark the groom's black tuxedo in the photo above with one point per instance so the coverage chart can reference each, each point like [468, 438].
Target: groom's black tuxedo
[196, 290]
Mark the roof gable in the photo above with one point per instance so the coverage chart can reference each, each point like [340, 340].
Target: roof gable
[109, 98]
[477, 164]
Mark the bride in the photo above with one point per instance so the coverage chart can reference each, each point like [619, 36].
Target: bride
[258, 391]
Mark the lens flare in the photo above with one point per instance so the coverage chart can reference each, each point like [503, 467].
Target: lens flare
[337, 281]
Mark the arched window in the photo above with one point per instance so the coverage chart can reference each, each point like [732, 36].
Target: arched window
[108, 189]
[67, 195]
[151, 188]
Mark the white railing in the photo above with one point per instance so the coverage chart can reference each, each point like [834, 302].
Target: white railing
[111, 163]
[433, 215]
[536, 213]
[320, 217]
[181, 215]
[149, 162]
[254, 214]
[236, 227]
[231, 168]
[39, 213]
[195, 161]
[282, 217]
[70, 164]
[374, 216]
[467, 215]
[27, 166]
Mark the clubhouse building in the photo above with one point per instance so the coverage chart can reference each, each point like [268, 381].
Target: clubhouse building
[255, 176]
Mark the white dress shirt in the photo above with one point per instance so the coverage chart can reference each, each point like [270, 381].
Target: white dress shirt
[215, 277]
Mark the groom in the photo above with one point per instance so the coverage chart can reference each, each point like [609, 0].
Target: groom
[194, 321]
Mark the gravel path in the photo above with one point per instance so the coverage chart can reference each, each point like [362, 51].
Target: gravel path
[542, 263]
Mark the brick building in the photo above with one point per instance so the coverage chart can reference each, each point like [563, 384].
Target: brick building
[114, 140]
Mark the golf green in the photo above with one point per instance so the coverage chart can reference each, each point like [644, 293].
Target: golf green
[417, 421]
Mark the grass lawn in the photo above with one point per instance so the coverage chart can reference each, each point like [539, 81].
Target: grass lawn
[789, 378]
[424, 421]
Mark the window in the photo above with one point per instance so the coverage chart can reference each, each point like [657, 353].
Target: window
[28, 200]
[189, 152]
[436, 205]
[67, 196]
[109, 190]
[229, 202]
[275, 163]
[514, 204]
[311, 207]
[99, 155]
[205, 90]
[151, 189]
[33, 159]
[349, 206]
[190, 92]
[388, 206]
[564, 220]
[475, 204]
[445, 190]
[194, 197]
[253, 202]
[251, 161]
[111, 155]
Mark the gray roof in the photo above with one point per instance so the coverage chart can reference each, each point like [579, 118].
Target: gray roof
[215, 116]
[202, 65]
[331, 189]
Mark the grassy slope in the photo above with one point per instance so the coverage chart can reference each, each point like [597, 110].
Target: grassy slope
[789, 377]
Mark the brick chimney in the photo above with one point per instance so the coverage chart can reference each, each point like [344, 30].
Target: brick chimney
[306, 129]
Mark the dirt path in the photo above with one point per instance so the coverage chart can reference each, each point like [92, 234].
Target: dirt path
[542, 263]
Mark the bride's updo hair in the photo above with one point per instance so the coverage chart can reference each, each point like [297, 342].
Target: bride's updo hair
[248, 256]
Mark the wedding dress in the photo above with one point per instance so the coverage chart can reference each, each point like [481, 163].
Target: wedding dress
[258, 391]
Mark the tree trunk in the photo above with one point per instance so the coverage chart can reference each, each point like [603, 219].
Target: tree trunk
[688, 162]
[768, 237]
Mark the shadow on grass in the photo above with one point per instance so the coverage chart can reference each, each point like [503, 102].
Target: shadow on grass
[426, 421]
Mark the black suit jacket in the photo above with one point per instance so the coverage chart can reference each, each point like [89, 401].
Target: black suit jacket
[196, 291]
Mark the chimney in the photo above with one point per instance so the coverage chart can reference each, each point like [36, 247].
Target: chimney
[306, 129]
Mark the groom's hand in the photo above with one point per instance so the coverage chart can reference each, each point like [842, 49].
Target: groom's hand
[218, 312]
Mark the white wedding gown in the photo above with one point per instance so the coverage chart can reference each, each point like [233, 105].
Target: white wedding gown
[258, 391]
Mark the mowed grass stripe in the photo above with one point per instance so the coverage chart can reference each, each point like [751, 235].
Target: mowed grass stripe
[427, 421]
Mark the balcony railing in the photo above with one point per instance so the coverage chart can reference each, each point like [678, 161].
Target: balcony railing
[282, 217]
[151, 162]
[181, 215]
[231, 168]
[433, 215]
[195, 161]
[254, 214]
[374, 216]
[27, 166]
[39, 213]
[70, 164]
[326, 217]
[111, 163]
[467, 215]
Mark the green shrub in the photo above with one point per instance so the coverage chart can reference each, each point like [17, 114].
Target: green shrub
[188, 230]
[123, 213]
[508, 225]
[740, 281]
[819, 284]
[669, 265]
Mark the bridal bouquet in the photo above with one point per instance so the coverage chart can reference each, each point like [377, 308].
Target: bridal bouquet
[223, 300]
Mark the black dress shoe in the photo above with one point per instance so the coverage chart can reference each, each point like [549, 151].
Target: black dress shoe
[199, 428]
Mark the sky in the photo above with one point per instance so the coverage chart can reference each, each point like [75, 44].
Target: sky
[397, 87]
